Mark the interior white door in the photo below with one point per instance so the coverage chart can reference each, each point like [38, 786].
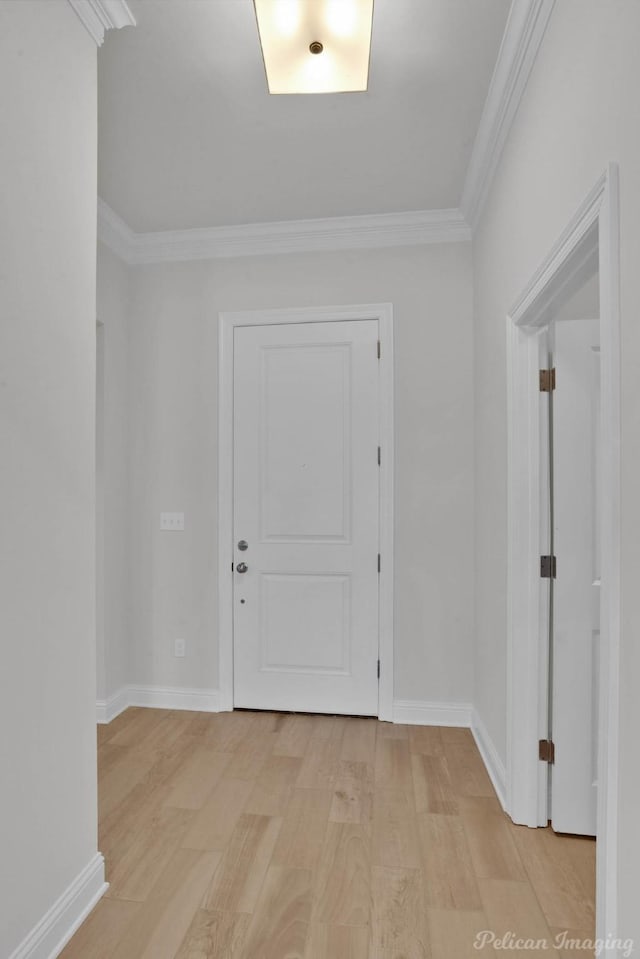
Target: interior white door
[576, 604]
[306, 504]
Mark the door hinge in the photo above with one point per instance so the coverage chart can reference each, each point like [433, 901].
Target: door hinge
[378, 562]
[379, 456]
[378, 349]
[547, 381]
[378, 669]
[232, 567]
[546, 751]
[547, 567]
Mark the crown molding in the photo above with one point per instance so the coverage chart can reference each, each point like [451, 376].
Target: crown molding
[526, 25]
[290, 236]
[99, 16]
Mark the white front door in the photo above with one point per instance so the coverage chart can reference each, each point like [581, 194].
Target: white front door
[306, 495]
[576, 604]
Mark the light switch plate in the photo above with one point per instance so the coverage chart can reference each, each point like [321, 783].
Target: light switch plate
[172, 521]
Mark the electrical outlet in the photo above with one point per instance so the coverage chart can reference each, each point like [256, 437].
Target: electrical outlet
[173, 522]
[180, 647]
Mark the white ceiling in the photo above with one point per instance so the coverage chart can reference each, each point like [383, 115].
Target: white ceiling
[189, 137]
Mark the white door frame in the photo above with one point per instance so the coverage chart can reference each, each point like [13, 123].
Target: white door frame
[592, 232]
[383, 313]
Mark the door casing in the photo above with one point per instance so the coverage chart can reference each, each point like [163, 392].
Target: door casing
[383, 313]
[592, 233]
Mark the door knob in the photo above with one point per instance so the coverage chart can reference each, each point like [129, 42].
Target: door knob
[242, 568]
[242, 545]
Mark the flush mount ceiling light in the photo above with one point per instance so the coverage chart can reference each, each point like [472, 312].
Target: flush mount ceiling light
[315, 46]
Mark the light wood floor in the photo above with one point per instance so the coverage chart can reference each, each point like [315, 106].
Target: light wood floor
[272, 836]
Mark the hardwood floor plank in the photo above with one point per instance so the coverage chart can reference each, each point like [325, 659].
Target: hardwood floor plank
[137, 723]
[272, 789]
[490, 839]
[359, 741]
[432, 784]
[450, 882]
[320, 764]
[163, 920]
[249, 759]
[98, 937]
[398, 918]
[353, 793]
[468, 774]
[263, 835]
[343, 887]
[280, 923]
[393, 764]
[212, 825]
[457, 736]
[237, 883]
[138, 867]
[215, 935]
[512, 909]
[453, 933]
[231, 730]
[162, 737]
[426, 740]
[199, 777]
[395, 837]
[337, 942]
[303, 829]
[565, 893]
[119, 780]
[393, 731]
[293, 736]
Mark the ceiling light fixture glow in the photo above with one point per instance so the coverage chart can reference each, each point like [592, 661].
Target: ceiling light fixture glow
[315, 46]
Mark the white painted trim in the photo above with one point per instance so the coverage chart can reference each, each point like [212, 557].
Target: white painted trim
[383, 313]
[490, 757]
[49, 937]
[413, 712]
[523, 35]
[531, 314]
[98, 16]
[158, 697]
[386, 368]
[108, 709]
[417, 227]
[175, 697]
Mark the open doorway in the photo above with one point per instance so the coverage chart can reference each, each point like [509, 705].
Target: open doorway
[589, 245]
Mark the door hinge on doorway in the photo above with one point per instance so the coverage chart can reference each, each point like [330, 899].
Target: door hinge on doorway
[547, 381]
[546, 751]
[378, 349]
[378, 562]
[379, 456]
[378, 669]
[547, 567]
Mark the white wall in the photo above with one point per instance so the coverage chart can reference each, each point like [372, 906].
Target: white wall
[580, 111]
[47, 408]
[114, 574]
[173, 408]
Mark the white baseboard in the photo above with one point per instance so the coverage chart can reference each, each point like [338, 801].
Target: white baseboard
[158, 697]
[170, 697]
[418, 713]
[490, 757]
[49, 937]
[108, 709]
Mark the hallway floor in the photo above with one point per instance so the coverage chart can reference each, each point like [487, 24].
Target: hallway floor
[274, 836]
